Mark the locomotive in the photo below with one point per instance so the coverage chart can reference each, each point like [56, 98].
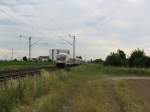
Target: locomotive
[63, 60]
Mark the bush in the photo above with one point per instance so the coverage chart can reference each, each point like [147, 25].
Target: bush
[139, 59]
[25, 58]
[99, 61]
[142, 62]
[116, 59]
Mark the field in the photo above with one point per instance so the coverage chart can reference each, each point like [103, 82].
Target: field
[17, 65]
[88, 88]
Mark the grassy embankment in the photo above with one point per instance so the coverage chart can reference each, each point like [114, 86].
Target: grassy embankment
[82, 89]
[17, 65]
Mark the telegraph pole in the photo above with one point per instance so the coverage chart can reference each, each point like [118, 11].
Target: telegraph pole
[30, 38]
[31, 44]
[12, 54]
[74, 46]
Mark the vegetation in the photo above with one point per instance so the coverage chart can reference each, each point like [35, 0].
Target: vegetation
[98, 61]
[139, 59]
[15, 65]
[107, 96]
[35, 93]
[25, 58]
[136, 59]
[83, 89]
[117, 59]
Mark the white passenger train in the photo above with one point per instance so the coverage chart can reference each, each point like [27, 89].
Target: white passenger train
[64, 59]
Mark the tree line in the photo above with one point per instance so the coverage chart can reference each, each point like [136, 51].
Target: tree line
[137, 58]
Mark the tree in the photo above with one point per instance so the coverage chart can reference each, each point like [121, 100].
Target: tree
[116, 59]
[121, 54]
[15, 59]
[137, 58]
[99, 61]
[142, 62]
[80, 57]
[49, 60]
[25, 58]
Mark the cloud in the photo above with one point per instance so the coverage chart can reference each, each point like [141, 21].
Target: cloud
[102, 25]
[7, 22]
[120, 24]
[10, 3]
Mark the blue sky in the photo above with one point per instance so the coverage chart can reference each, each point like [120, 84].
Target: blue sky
[102, 26]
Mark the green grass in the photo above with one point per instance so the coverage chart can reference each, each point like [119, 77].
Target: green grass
[128, 98]
[95, 69]
[34, 93]
[125, 71]
[107, 96]
[84, 84]
[17, 65]
[93, 97]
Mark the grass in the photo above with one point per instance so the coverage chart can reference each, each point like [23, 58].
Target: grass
[129, 100]
[121, 71]
[28, 94]
[92, 98]
[82, 88]
[95, 69]
[108, 96]
[17, 65]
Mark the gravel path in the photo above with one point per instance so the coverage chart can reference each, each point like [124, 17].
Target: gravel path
[128, 78]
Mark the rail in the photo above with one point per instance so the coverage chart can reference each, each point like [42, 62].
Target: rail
[14, 74]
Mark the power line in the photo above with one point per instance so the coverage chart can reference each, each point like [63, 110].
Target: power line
[51, 20]
[31, 44]
[23, 22]
[65, 40]
[14, 17]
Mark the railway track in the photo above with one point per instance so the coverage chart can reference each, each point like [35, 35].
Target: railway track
[15, 74]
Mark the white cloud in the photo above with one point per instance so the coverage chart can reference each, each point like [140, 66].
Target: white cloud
[120, 24]
[102, 25]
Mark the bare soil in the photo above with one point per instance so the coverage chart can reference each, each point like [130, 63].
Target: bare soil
[142, 88]
[139, 85]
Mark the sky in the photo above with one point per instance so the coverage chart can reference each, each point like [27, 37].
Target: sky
[101, 26]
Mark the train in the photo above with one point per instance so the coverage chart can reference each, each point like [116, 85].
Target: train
[64, 60]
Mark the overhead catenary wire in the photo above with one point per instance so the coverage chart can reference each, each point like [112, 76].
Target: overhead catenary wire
[24, 23]
[54, 22]
[50, 18]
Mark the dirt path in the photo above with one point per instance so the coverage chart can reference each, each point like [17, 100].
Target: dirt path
[114, 100]
[128, 78]
[142, 87]
[101, 95]
[107, 95]
[68, 103]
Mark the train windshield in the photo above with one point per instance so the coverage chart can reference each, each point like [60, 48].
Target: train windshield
[61, 57]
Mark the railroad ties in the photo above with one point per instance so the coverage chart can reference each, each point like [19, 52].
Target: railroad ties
[15, 74]
[6, 75]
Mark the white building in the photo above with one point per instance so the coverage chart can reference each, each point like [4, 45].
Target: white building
[44, 58]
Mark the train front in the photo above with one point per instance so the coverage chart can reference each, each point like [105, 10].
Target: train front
[61, 60]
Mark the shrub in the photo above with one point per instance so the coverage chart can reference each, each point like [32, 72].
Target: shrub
[139, 59]
[99, 61]
[142, 62]
[25, 58]
[116, 59]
